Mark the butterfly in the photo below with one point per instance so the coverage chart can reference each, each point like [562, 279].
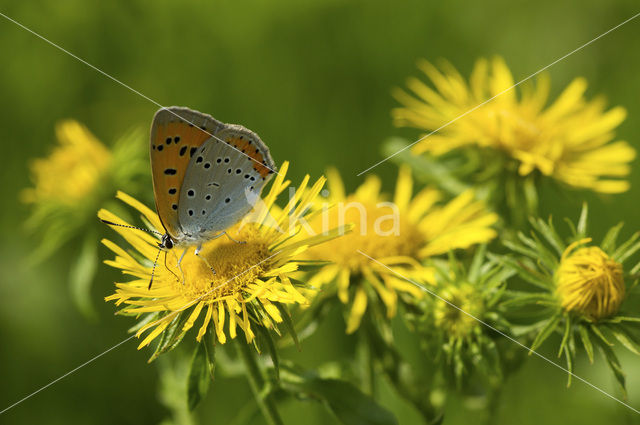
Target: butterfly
[206, 176]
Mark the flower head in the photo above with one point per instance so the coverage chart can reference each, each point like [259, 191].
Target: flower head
[74, 168]
[398, 234]
[72, 182]
[570, 140]
[589, 281]
[580, 289]
[251, 283]
[453, 320]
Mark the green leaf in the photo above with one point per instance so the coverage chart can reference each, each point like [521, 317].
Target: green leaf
[614, 365]
[565, 336]
[546, 331]
[581, 230]
[347, 402]
[476, 263]
[288, 323]
[545, 256]
[549, 233]
[620, 319]
[625, 250]
[199, 378]
[586, 341]
[209, 345]
[516, 299]
[172, 336]
[569, 365]
[524, 271]
[531, 253]
[625, 340]
[609, 241]
[629, 252]
[81, 275]
[271, 347]
[600, 335]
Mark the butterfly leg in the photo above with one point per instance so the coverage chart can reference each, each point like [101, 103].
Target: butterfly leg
[229, 236]
[197, 253]
[180, 264]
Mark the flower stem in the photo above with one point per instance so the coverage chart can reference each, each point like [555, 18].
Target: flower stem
[366, 359]
[256, 382]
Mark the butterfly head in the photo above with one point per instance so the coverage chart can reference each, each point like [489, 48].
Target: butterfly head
[166, 242]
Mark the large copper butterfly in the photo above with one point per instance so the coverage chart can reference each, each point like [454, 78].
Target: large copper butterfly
[206, 175]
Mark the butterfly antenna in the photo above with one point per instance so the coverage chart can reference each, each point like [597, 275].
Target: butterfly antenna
[153, 270]
[111, 223]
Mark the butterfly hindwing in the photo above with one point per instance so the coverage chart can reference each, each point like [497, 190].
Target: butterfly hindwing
[223, 180]
[176, 135]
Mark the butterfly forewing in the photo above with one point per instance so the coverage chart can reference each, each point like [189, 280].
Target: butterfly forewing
[176, 135]
[223, 180]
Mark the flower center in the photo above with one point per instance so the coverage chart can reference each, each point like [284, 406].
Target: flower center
[590, 282]
[379, 230]
[236, 265]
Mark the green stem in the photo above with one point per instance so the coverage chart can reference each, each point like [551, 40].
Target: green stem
[493, 403]
[256, 382]
[366, 358]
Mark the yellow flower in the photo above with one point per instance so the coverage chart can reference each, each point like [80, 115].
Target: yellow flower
[73, 170]
[250, 283]
[568, 140]
[399, 235]
[589, 282]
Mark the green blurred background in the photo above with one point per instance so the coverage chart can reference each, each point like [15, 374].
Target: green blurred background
[313, 79]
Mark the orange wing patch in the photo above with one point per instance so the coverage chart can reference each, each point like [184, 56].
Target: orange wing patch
[250, 149]
[172, 146]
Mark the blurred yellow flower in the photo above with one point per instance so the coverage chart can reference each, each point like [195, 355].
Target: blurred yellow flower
[72, 182]
[569, 140]
[589, 281]
[398, 234]
[73, 170]
[250, 283]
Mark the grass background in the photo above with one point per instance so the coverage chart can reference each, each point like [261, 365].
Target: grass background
[313, 79]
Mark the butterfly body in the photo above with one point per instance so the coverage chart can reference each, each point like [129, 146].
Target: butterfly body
[206, 174]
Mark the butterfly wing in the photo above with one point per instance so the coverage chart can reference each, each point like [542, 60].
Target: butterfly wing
[176, 134]
[223, 180]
